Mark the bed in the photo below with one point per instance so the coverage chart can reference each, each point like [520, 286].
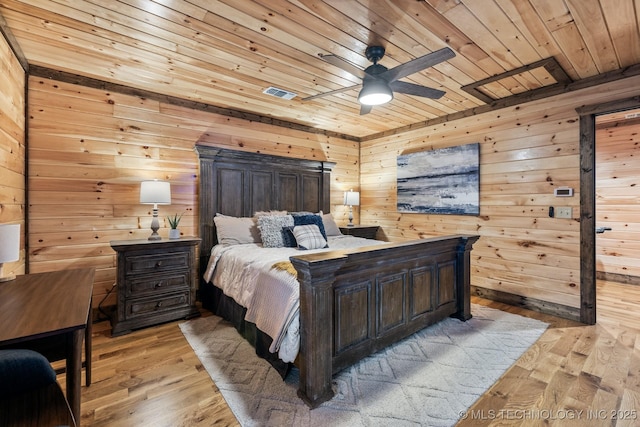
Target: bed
[352, 301]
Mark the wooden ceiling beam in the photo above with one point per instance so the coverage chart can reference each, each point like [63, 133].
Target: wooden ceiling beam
[533, 95]
[48, 73]
[13, 44]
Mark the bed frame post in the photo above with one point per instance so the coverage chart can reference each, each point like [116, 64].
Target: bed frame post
[316, 277]
[463, 289]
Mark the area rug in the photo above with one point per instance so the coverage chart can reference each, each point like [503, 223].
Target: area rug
[429, 379]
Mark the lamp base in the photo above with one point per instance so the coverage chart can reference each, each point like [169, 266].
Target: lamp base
[155, 226]
[350, 216]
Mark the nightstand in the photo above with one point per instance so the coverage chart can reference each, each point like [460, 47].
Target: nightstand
[366, 231]
[157, 282]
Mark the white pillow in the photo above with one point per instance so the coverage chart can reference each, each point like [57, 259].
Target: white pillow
[330, 226]
[272, 228]
[309, 237]
[236, 231]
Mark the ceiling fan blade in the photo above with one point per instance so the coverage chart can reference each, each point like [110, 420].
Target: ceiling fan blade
[418, 64]
[411, 89]
[333, 92]
[345, 65]
[365, 109]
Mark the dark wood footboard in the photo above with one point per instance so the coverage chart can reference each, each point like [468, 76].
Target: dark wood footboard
[354, 303]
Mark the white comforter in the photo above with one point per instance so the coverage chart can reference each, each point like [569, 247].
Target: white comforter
[271, 295]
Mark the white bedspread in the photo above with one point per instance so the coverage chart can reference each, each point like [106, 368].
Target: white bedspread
[271, 295]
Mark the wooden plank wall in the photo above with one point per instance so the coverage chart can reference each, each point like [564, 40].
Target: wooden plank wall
[12, 148]
[526, 152]
[618, 200]
[89, 150]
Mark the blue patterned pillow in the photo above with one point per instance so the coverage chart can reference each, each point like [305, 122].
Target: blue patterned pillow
[306, 219]
[288, 238]
[309, 237]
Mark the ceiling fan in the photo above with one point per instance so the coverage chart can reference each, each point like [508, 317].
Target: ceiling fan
[379, 82]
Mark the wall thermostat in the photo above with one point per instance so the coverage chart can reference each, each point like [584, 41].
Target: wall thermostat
[563, 192]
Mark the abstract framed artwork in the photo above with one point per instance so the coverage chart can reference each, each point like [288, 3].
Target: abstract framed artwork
[442, 181]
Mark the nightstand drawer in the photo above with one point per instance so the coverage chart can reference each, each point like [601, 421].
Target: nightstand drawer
[146, 285]
[365, 231]
[144, 264]
[148, 306]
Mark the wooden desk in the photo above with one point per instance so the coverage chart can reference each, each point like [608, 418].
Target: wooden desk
[36, 306]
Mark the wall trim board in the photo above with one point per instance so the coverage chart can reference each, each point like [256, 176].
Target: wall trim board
[627, 279]
[533, 304]
[587, 219]
[13, 44]
[533, 95]
[62, 76]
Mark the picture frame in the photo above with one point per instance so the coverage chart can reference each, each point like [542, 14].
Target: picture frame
[440, 181]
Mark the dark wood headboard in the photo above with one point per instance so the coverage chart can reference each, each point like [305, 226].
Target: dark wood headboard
[238, 183]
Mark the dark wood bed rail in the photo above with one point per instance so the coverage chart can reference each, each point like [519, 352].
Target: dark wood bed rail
[354, 303]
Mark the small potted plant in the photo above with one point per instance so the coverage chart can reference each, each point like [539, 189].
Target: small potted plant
[174, 220]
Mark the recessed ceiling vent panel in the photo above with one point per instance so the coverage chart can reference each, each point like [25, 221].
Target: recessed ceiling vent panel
[280, 93]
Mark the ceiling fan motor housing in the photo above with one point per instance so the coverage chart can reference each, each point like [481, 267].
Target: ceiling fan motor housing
[374, 70]
[374, 53]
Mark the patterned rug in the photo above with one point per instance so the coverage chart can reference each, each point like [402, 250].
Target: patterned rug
[429, 379]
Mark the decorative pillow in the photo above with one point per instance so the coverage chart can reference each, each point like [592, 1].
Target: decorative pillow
[302, 213]
[258, 214]
[271, 229]
[306, 219]
[288, 238]
[330, 226]
[236, 231]
[309, 237]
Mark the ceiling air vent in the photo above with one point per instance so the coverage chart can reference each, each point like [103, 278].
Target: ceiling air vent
[632, 116]
[280, 93]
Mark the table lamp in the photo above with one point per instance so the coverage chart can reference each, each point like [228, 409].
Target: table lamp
[351, 199]
[155, 193]
[9, 247]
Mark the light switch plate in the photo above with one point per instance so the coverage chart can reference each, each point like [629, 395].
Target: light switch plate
[563, 212]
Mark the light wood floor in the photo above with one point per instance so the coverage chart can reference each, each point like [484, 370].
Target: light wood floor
[574, 375]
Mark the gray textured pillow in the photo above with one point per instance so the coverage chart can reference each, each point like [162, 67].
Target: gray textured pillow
[236, 231]
[330, 226]
[272, 228]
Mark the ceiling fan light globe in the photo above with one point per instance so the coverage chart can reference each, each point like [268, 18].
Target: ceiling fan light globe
[375, 93]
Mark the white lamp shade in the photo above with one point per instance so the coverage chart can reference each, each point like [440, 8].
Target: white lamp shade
[9, 242]
[155, 192]
[351, 198]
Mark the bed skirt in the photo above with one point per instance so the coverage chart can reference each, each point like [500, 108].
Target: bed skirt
[214, 300]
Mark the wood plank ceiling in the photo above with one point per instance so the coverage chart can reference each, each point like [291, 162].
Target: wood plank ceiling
[227, 52]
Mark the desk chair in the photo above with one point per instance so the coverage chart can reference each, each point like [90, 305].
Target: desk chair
[29, 392]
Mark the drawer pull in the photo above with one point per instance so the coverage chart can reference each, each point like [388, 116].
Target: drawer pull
[158, 285]
[158, 264]
[159, 305]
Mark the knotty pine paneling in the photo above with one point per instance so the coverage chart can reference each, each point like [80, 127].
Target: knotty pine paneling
[525, 152]
[12, 149]
[618, 198]
[90, 149]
